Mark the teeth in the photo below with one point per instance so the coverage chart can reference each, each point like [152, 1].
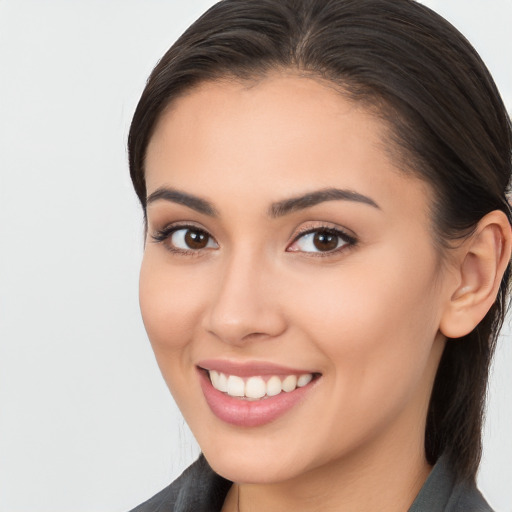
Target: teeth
[290, 383]
[256, 387]
[304, 380]
[223, 383]
[274, 386]
[214, 377]
[236, 386]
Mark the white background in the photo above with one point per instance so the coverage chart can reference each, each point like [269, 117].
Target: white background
[86, 423]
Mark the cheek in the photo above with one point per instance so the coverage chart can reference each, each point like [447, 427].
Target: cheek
[375, 323]
[170, 308]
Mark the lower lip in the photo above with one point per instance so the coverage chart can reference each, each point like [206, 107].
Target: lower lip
[246, 413]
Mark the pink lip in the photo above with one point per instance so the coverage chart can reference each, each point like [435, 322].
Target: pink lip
[249, 369]
[245, 413]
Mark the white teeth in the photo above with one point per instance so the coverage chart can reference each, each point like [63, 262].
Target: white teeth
[255, 388]
[236, 386]
[223, 383]
[304, 380]
[290, 383]
[274, 386]
[214, 377]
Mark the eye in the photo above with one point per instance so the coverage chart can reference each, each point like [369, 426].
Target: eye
[191, 239]
[185, 238]
[321, 240]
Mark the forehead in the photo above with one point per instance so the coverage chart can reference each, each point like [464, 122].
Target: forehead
[275, 137]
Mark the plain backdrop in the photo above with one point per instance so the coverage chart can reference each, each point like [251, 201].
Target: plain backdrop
[86, 422]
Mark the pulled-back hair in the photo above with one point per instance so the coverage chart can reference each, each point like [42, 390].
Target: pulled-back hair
[447, 125]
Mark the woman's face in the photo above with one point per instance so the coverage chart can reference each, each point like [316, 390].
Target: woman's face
[286, 250]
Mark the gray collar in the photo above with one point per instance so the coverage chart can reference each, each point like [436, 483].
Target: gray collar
[442, 493]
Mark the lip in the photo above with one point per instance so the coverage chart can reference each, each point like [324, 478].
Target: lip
[250, 368]
[246, 413]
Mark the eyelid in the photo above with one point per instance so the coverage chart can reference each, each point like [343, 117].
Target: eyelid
[168, 229]
[350, 239]
[324, 226]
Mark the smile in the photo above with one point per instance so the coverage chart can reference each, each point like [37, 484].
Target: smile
[255, 388]
[253, 394]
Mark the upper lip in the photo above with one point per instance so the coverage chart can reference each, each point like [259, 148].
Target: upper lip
[249, 368]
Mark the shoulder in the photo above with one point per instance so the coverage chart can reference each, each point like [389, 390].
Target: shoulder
[198, 489]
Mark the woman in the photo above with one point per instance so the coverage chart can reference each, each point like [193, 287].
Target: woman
[327, 253]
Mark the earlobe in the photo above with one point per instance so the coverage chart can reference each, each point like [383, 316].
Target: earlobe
[482, 262]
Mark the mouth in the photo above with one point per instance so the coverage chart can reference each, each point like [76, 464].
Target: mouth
[251, 395]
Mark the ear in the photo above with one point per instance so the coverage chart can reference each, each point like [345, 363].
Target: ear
[481, 262]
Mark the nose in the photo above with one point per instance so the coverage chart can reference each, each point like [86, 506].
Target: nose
[245, 305]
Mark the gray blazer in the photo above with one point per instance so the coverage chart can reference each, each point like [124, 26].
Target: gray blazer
[199, 489]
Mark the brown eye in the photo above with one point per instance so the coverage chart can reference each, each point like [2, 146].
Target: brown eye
[322, 240]
[325, 241]
[196, 239]
[186, 239]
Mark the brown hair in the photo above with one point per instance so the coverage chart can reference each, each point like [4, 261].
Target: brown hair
[447, 122]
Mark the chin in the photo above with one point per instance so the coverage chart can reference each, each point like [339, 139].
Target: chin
[250, 469]
[265, 457]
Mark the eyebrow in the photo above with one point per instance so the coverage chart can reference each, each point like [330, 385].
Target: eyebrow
[277, 209]
[320, 196]
[175, 196]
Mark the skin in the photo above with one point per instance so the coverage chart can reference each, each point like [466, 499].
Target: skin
[366, 317]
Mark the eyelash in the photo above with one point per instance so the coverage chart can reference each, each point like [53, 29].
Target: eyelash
[161, 236]
[349, 240]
